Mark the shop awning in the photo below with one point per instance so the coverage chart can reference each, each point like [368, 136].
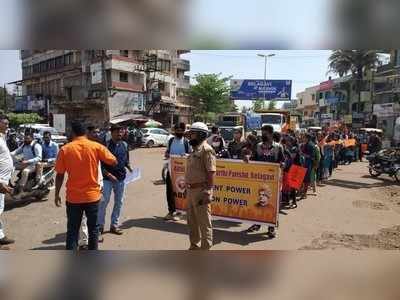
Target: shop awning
[128, 117]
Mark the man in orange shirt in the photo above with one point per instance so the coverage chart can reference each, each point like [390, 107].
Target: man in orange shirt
[80, 160]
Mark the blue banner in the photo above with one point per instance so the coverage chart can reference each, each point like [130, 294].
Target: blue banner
[261, 89]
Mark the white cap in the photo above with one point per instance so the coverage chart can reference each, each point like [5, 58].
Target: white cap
[199, 126]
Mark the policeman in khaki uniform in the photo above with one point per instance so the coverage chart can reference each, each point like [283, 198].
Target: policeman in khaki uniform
[200, 175]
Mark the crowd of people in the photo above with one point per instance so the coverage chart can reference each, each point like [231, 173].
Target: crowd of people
[319, 153]
[97, 165]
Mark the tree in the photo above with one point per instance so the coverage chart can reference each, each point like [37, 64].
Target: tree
[258, 104]
[18, 119]
[272, 105]
[211, 93]
[356, 62]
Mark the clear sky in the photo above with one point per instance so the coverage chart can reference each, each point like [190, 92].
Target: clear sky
[305, 67]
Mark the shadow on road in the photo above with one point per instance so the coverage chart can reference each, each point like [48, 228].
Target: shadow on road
[56, 247]
[232, 237]
[20, 203]
[355, 185]
[57, 239]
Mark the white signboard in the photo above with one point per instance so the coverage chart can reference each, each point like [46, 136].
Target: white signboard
[36, 105]
[59, 122]
[96, 72]
[386, 110]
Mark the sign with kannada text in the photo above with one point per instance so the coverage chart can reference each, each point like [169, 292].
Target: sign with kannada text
[243, 192]
[261, 89]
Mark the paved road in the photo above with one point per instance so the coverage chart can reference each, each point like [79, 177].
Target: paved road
[352, 206]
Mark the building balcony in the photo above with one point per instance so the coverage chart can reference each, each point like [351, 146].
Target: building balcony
[183, 83]
[132, 87]
[182, 64]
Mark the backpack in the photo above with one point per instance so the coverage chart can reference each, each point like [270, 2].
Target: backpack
[185, 142]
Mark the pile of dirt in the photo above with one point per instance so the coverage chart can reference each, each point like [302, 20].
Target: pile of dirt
[386, 239]
[370, 204]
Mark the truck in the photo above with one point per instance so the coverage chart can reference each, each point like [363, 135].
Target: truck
[228, 123]
[280, 120]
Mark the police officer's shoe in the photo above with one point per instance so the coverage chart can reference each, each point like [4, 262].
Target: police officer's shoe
[6, 241]
[194, 247]
[171, 217]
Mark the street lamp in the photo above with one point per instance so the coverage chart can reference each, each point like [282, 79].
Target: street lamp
[265, 56]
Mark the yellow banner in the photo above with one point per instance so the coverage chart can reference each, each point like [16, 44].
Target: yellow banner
[243, 192]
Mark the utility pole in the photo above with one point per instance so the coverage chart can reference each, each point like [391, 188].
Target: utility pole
[265, 74]
[105, 83]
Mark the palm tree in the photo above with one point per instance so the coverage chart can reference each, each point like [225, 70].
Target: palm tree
[356, 62]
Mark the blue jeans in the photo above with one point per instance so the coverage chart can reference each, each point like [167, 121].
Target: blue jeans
[74, 219]
[119, 194]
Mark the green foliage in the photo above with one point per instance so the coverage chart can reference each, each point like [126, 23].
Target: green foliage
[211, 94]
[207, 117]
[258, 104]
[356, 62]
[18, 119]
[272, 105]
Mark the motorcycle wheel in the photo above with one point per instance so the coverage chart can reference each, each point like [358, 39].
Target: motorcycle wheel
[397, 176]
[374, 173]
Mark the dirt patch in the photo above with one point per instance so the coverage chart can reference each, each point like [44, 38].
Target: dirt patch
[386, 239]
[392, 194]
[370, 204]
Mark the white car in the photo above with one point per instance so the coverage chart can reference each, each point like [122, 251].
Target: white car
[40, 129]
[155, 137]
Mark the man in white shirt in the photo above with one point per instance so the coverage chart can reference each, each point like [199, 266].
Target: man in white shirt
[32, 155]
[6, 169]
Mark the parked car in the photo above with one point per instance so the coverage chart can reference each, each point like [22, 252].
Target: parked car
[40, 129]
[155, 137]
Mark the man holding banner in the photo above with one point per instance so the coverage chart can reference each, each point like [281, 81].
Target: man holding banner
[200, 175]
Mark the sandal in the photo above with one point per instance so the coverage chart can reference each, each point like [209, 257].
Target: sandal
[254, 228]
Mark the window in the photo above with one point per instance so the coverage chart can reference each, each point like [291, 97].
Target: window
[124, 53]
[161, 86]
[68, 59]
[123, 77]
[313, 97]
[321, 95]
[301, 101]
[59, 62]
[163, 65]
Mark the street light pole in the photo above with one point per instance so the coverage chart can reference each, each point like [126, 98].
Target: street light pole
[265, 73]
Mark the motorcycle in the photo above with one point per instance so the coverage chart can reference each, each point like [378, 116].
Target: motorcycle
[386, 161]
[40, 193]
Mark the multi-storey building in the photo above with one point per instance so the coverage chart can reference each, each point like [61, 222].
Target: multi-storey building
[307, 105]
[102, 86]
[386, 108]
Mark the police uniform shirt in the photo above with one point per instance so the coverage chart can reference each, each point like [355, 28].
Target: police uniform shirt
[200, 162]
